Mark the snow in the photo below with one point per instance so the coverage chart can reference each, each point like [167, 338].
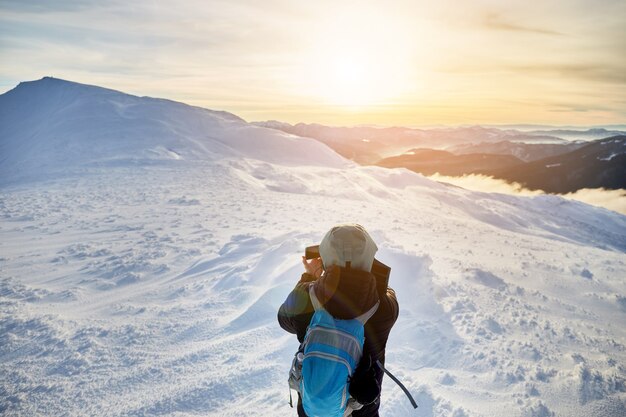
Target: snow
[147, 283]
[608, 158]
[51, 125]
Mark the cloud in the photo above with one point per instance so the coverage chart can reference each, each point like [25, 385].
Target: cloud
[496, 22]
[214, 54]
[484, 183]
[49, 6]
[603, 72]
[610, 199]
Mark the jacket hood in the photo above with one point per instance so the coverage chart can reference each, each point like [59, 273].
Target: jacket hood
[346, 293]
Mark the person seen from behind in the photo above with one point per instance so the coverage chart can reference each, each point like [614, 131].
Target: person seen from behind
[341, 282]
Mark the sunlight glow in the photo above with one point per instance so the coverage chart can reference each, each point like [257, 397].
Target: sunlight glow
[348, 81]
[354, 63]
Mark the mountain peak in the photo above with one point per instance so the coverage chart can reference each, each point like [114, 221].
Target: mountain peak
[45, 80]
[50, 81]
[50, 84]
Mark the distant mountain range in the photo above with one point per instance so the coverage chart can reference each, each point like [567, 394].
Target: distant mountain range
[600, 163]
[559, 160]
[524, 151]
[431, 161]
[368, 145]
[569, 134]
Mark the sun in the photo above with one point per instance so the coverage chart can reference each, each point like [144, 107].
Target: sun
[350, 75]
[353, 64]
[348, 81]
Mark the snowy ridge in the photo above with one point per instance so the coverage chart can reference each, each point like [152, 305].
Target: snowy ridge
[50, 125]
[152, 289]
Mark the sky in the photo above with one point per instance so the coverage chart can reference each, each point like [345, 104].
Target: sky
[559, 62]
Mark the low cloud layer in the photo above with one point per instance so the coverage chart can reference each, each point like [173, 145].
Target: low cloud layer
[610, 199]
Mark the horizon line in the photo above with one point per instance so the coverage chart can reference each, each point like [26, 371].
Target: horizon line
[512, 125]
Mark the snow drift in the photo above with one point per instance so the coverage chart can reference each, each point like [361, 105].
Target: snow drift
[146, 246]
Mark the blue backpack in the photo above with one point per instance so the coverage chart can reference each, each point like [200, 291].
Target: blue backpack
[326, 360]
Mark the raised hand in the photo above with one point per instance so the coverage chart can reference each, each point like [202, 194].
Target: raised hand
[313, 266]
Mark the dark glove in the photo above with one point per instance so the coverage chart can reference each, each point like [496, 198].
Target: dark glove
[364, 386]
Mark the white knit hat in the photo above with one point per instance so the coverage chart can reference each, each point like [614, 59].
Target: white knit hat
[348, 243]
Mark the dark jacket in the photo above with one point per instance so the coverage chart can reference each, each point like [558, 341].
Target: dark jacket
[295, 314]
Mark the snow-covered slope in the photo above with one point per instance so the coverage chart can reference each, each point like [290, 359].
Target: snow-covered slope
[50, 125]
[152, 288]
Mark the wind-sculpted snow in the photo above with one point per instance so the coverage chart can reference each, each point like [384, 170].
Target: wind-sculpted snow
[134, 293]
[152, 289]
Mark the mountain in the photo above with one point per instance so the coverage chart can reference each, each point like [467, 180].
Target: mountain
[525, 151]
[430, 161]
[573, 134]
[601, 163]
[52, 125]
[146, 246]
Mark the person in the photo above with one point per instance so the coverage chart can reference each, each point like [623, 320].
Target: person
[343, 284]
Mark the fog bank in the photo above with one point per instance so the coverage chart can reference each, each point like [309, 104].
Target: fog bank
[610, 199]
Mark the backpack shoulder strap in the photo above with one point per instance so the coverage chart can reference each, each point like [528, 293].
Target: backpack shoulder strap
[316, 303]
[363, 318]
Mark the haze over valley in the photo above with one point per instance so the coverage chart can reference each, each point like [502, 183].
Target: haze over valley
[588, 164]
